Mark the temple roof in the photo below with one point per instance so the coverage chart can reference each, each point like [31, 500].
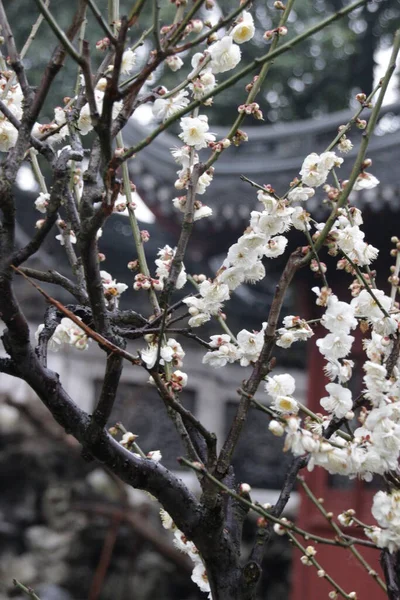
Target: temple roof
[273, 155]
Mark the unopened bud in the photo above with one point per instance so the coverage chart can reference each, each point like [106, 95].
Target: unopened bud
[366, 163]
[244, 488]
[213, 37]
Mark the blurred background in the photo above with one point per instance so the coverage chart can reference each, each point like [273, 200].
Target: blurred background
[68, 527]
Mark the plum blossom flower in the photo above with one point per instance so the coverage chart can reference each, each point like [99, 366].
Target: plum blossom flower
[244, 30]
[294, 330]
[339, 316]
[163, 263]
[128, 61]
[111, 288]
[164, 108]
[386, 511]
[339, 401]
[195, 132]
[365, 181]
[62, 236]
[301, 194]
[226, 353]
[174, 63]
[42, 202]
[199, 576]
[166, 520]
[285, 405]
[335, 345]
[225, 55]
[366, 306]
[66, 333]
[280, 385]
[275, 246]
[315, 168]
[250, 345]
[8, 135]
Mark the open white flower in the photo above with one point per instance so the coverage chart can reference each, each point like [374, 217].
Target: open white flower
[42, 202]
[199, 576]
[128, 61]
[195, 132]
[163, 109]
[244, 30]
[301, 194]
[225, 55]
[280, 385]
[8, 135]
[365, 181]
[174, 62]
[339, 401]
[339, 316]
[285, 405]
[335, 345]
[315, 167]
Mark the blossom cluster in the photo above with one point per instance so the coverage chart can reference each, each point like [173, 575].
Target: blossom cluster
[181, 542]
[66, 333]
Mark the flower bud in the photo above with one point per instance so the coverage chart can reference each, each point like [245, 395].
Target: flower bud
[276, 428]
[244, 488]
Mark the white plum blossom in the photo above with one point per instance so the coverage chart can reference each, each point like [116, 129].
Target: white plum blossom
[154, 455]
[280, 385]
[110, 286]
[340, 371]
[232, 276]
[163, 263]
[201, 309]
[275, 246]
[300, 219]
[85, 122]
[339, 316]
[335, 345]
[174, 62]
[8, 135]
[204, 84]
[164, 108]
[294, 330]
[66, 333]
[285, 405]
[276, 428]
[128, 61]
[195, 132]
[42, 202]
[166, 520]
[315, 167]
[226, 353]
[386, 511]
[199, 576]
[225, 55]
[250, 345]
[301, 194]
[365, 181]
[339, 401]
[70, 235]
[244, 30]
[366, 306]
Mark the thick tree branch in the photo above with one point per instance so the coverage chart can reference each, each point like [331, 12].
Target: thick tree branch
[262, 366]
